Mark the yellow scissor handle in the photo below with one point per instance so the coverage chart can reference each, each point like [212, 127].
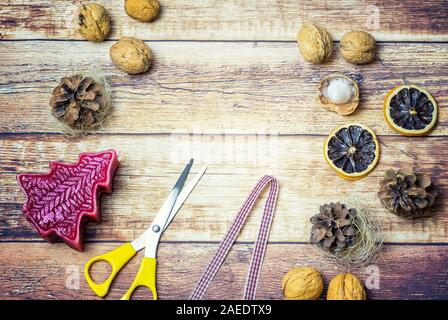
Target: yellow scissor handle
[117, 259]
[146, 277]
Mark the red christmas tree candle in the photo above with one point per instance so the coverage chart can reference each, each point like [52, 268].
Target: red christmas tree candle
[58, 203]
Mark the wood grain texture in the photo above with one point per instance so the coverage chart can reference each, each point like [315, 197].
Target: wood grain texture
[235, 19]
[230, 70]
[150, 165]
[214, 87]
[181, 264]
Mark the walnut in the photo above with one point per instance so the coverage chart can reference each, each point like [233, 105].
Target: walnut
[131, 55]
[358, 47]
[94, 23]
[315, 43]
[346, 286]
[302, 283]
[142, 10]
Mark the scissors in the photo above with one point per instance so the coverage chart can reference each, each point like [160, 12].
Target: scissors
[117, 258]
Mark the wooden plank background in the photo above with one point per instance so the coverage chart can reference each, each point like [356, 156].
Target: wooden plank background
[235, 19]
[228, 88]
[306, 181]
[23, 278]
[216, 85]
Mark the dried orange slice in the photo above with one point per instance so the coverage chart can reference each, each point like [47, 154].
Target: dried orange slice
[352, 150]
[410, 110]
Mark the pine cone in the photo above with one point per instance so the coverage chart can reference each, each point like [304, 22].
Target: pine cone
[334, 228]
[407, 193]
[77, 101]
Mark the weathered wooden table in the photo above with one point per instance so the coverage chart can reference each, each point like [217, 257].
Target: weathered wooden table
[228, 88]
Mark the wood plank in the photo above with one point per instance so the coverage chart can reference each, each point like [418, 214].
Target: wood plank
[36, 271]
[214, 87]
[236, 19]
[150, 165]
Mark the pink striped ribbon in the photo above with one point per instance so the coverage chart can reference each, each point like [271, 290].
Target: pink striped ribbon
[232, 233]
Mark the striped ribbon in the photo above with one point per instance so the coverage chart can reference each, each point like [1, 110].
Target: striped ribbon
[231, 235]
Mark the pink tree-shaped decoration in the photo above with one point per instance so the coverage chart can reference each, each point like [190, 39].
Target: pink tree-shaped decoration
[60, 202]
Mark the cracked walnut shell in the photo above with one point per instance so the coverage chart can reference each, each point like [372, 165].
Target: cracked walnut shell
[94, 23]
[131, 55]
[142, 10]
[358, 47]
[302, 283]
[315, 43]
[346, 286]
[339, 94]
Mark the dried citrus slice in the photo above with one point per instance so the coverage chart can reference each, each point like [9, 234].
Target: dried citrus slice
[352, 150]
[410, 110]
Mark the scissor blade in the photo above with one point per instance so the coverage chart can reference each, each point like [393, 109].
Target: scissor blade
[167, 207]
[140, 242]
[184, 195]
